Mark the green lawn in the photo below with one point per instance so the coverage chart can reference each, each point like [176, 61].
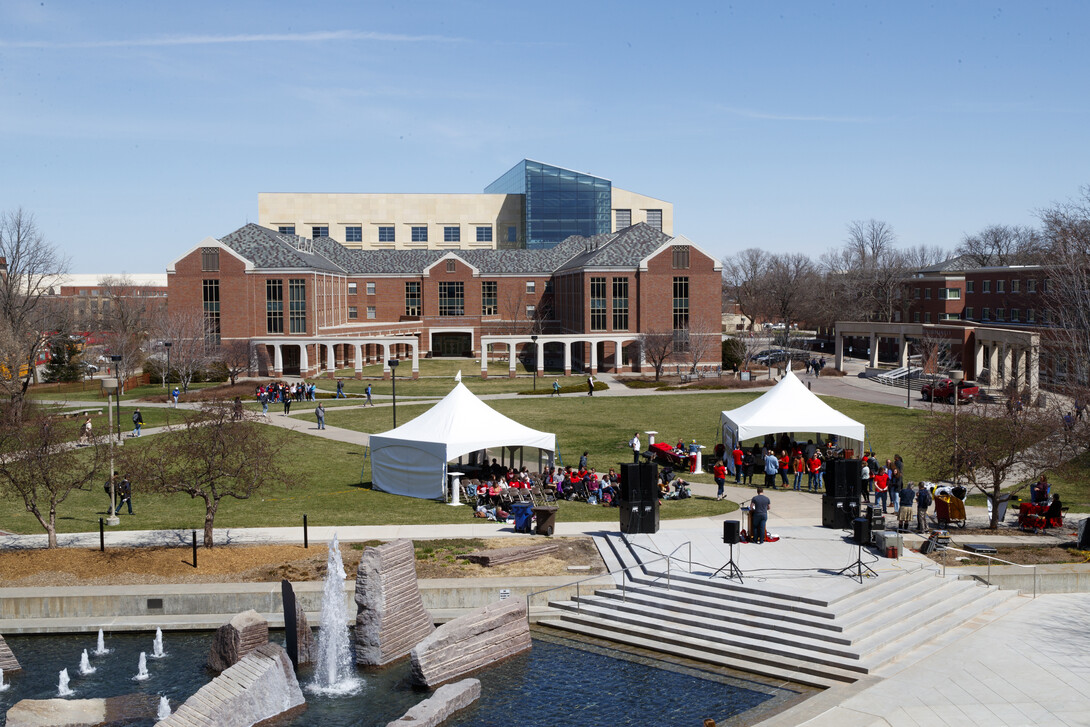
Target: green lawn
[91, 391]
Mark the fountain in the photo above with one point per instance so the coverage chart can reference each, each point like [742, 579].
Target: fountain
[164, 709]
[142, 668]
[85, 667]
[101, 649]
[62, 685]
[157, 645]
[334, 667]
[3, 687]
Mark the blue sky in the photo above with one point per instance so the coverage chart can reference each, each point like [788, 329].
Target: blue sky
[135, 129]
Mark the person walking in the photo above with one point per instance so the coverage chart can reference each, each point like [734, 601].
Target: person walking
[124, 495]
[738, 457]
[760, 505]
[264, 399]
[340, 389]
[319, 411]
[590, 385]
[137, 422]
[236, 409]
[634, 443]
[287, 403]
[556, 387]
[85, 436]
[174, 396]
[368, 392]
[720, 473]
[923, 501]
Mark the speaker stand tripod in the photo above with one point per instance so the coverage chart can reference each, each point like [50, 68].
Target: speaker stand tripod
[732, 569]
[858, 569]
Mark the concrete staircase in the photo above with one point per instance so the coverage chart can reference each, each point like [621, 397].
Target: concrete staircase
[802, 639]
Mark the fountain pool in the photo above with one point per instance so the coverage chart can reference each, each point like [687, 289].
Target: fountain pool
[556, 683]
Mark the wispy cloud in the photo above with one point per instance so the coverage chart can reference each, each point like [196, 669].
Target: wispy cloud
[320, 36]
[771, 116]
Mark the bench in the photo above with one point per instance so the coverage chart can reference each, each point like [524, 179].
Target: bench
[502, 556]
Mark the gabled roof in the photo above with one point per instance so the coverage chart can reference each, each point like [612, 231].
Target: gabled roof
[270, 249]
[788, 407]
[624, 248]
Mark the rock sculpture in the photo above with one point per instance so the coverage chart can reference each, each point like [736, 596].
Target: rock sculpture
[446, 700]
[245, 632]
[8, 662]
[478, 639]
[83, 712]
[391, 617]
[304, 636]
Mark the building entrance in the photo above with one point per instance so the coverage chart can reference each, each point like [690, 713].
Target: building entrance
[291, 360]
[452, 344]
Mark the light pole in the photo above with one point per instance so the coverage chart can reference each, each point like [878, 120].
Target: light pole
[908, 373]
[393, 382]
[110, 387]
[117, 373]
[534, 339]
[166, 373]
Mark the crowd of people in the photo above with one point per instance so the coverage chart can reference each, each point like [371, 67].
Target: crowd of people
[284, 393]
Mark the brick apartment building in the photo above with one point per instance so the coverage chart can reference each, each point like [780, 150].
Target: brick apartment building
[314, 305]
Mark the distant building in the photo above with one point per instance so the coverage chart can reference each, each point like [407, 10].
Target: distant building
[90, 296]
[533, 205]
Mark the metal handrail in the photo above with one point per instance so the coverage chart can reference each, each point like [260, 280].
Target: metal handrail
[990, 558]
[622, 571]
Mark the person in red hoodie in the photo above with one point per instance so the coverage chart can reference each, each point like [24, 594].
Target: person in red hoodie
[720, 474]
[738, 457]
[813, 466]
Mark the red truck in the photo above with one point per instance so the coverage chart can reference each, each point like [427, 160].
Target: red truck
[943, 390]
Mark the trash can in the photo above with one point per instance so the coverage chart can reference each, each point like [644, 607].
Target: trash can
[546, 519]
[523, 512]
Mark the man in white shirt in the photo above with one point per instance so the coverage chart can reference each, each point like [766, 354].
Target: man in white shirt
[635, 445]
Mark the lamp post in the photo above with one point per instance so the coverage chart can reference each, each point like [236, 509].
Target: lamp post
[166, 373]
[908, 374]
[116, 361]
[393, 382]
[534, 339]
[110, 387]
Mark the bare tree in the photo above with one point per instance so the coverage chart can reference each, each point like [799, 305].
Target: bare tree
[33, 265]
[237, 356]
[789, 287]
[656, 348]
[1067, 289]
[703, 341]
[188, 353]
[1002, 245]
[39, 467]
[127, 319]
[744, 281]
[864, 279]
[923, 256]
[214, 455]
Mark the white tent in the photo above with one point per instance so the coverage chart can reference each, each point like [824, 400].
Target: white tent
[788, 407]
[412, 459]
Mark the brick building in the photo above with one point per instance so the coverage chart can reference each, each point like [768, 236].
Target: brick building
[314, 305]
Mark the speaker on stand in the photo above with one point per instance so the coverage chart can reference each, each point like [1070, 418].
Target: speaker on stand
[861, 536]
[732, 535]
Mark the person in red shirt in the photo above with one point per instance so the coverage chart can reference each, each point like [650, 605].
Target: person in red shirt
[813, 483]
[738, 456]
[798, 466]
[785, 467]
[881, 487]
[720, 474]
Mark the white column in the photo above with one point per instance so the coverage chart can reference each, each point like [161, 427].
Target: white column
[1018, 362]
[512, 355]
[484, 357]
[838, 348]
[357, 358]
[1033, 371]
[902, 353]
[278, 360]
[1006, 365]
[618, 356]
[330, 357]
[567, 357]
[539, 358]
[978, 359]
[385, 358]
[594, 357]
[873, 350]
[416, 356]
[304, 360]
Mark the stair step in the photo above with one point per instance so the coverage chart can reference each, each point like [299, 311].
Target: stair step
[722, 591]
[921, 595]
[666, 624]
[742, 659]
[885, 588]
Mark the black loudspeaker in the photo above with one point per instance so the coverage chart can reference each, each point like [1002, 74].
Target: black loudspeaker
[630, 482]
[639, 501]
[639, 516]
[861, 531]
[836, 513]
[1084, 534]
[649, 483]
[844, 477]
[732, 532]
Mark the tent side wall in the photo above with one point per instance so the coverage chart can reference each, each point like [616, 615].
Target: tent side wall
[404, 469]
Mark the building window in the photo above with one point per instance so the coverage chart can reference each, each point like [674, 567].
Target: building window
[489, 297]
[353, 233]
[986, 314]
[968, 313]
[531, 287]
[597, 304]
[624, 219]
[1001, 314]
[1016, 285]
[210, 259]
[948, 316]
[512, 233]
[386, 234]
[452, 299]
[950, 293]
[1001, 286]
[1031, 286]
[969, 286]
[681, 257]
[927, 317]
[452, 234]
[1016, 313]
[916, 317]
[274, 306]
[319, 231]
[351, 288]
[412, 299]
[419, 233]
[986, 286]
[370, 287]
[297, 306]
[353, 313]
[620, 304]
[654, 218]
[681, 315]
[927, 293]
[286, 229]
[916, 294]
[484, 233]
[452, 266]
[1031, 315]
[211, 294]
[531, 311]
[371, 313]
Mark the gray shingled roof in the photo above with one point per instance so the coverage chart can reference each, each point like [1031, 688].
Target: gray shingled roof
[270, 249]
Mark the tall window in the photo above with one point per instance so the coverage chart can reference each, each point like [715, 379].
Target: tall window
[624, 219]
[452, 267]
[412, 299]
[452, 234]
[274, 306]
[319, 231]
[452, 299]
[969, 313]
[353, 313]
[351, 288]
[297, 306]
[1016, 285]
[210, 259]
[211, 290]
[489, 297]
[1001, 286]
[385, 234]
[1031, 286]
[371, 312]
[531, 287]
[286, 229]
[620, 304]
[512, 233]
[969, 286]
[484, 234]
[597, 304]
[353, 233]
[419, 233]
[654, 218]
[681, 257]
[370, 287]
[681, 314]
[986, 286]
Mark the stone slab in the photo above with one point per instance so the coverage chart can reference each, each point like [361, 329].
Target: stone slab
[245, 632]
[478, 639]
[501, 556]
[8, 662]
[122, 710]
[446, 700]
[390, 615]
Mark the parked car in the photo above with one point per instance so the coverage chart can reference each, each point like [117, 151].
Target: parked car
[943, 390]
[771, 357]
